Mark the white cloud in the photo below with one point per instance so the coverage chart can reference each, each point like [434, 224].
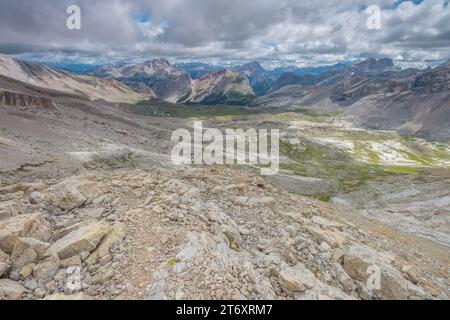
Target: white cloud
[273, 31]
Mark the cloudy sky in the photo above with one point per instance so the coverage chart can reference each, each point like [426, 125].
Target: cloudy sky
[275, 32]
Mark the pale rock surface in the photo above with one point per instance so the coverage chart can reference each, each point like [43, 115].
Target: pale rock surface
[31, 225]
[73, 193]
[11, 290]
[357, 263]
[26, 251]
[5, 263]
[80, 240]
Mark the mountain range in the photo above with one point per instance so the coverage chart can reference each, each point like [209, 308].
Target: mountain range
[45, 77]
[176, 85]
[374, 93]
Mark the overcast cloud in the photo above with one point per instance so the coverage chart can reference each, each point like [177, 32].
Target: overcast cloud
[271, 31]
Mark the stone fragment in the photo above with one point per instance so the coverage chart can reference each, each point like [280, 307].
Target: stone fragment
[5, 263]
[365, 264]
[297, 278]
[31, 225]
[11, 290]
[45, 270]
[80, 240]
[26, 251]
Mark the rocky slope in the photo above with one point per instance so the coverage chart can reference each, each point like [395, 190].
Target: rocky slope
[198, 234]
[92, 208]
[97, 211]
[40, 75]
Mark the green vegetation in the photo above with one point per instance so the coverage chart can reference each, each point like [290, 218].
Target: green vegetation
[231, 99]
[172, 262]
[128, 159]
[308, 112]
[324, 197]
[23, 169]
[158, 108]
[231, 241]
[319, 161]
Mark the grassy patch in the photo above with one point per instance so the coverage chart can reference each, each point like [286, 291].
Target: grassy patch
[231, 241]
[232, 99]
[309, 112]
[319, 161]
[324, 197]
[172, 262]
[158, 108]
[129, 159]
[23, 169]
[403, 170]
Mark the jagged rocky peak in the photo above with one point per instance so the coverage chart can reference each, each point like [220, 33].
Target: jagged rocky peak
[251, 66]
[158, 62]
[160, 65]
[224, 86]
[260, 80]
[374, 65]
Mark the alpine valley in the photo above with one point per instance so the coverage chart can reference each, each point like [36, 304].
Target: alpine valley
[88, 190]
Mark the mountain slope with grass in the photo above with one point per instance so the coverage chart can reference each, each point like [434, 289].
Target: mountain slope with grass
[376, 95]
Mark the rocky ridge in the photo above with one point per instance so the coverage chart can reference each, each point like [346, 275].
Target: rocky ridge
[45, 77]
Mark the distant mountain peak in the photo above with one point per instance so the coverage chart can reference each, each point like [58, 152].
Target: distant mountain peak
[372, 64]
[159, 61]
[253, 65]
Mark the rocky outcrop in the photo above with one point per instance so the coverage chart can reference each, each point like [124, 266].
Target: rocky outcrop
[84, 239]
[5, 263]
[362, 262]
[103, 251]
[73, 193]
[22, 100]
[10, 208]
[31, 225]
[11, 290]
[45, 271]
[297, 278]
[27, 251]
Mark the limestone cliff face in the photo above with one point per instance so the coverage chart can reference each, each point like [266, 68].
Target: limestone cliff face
[22, 100]
[225, 86]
